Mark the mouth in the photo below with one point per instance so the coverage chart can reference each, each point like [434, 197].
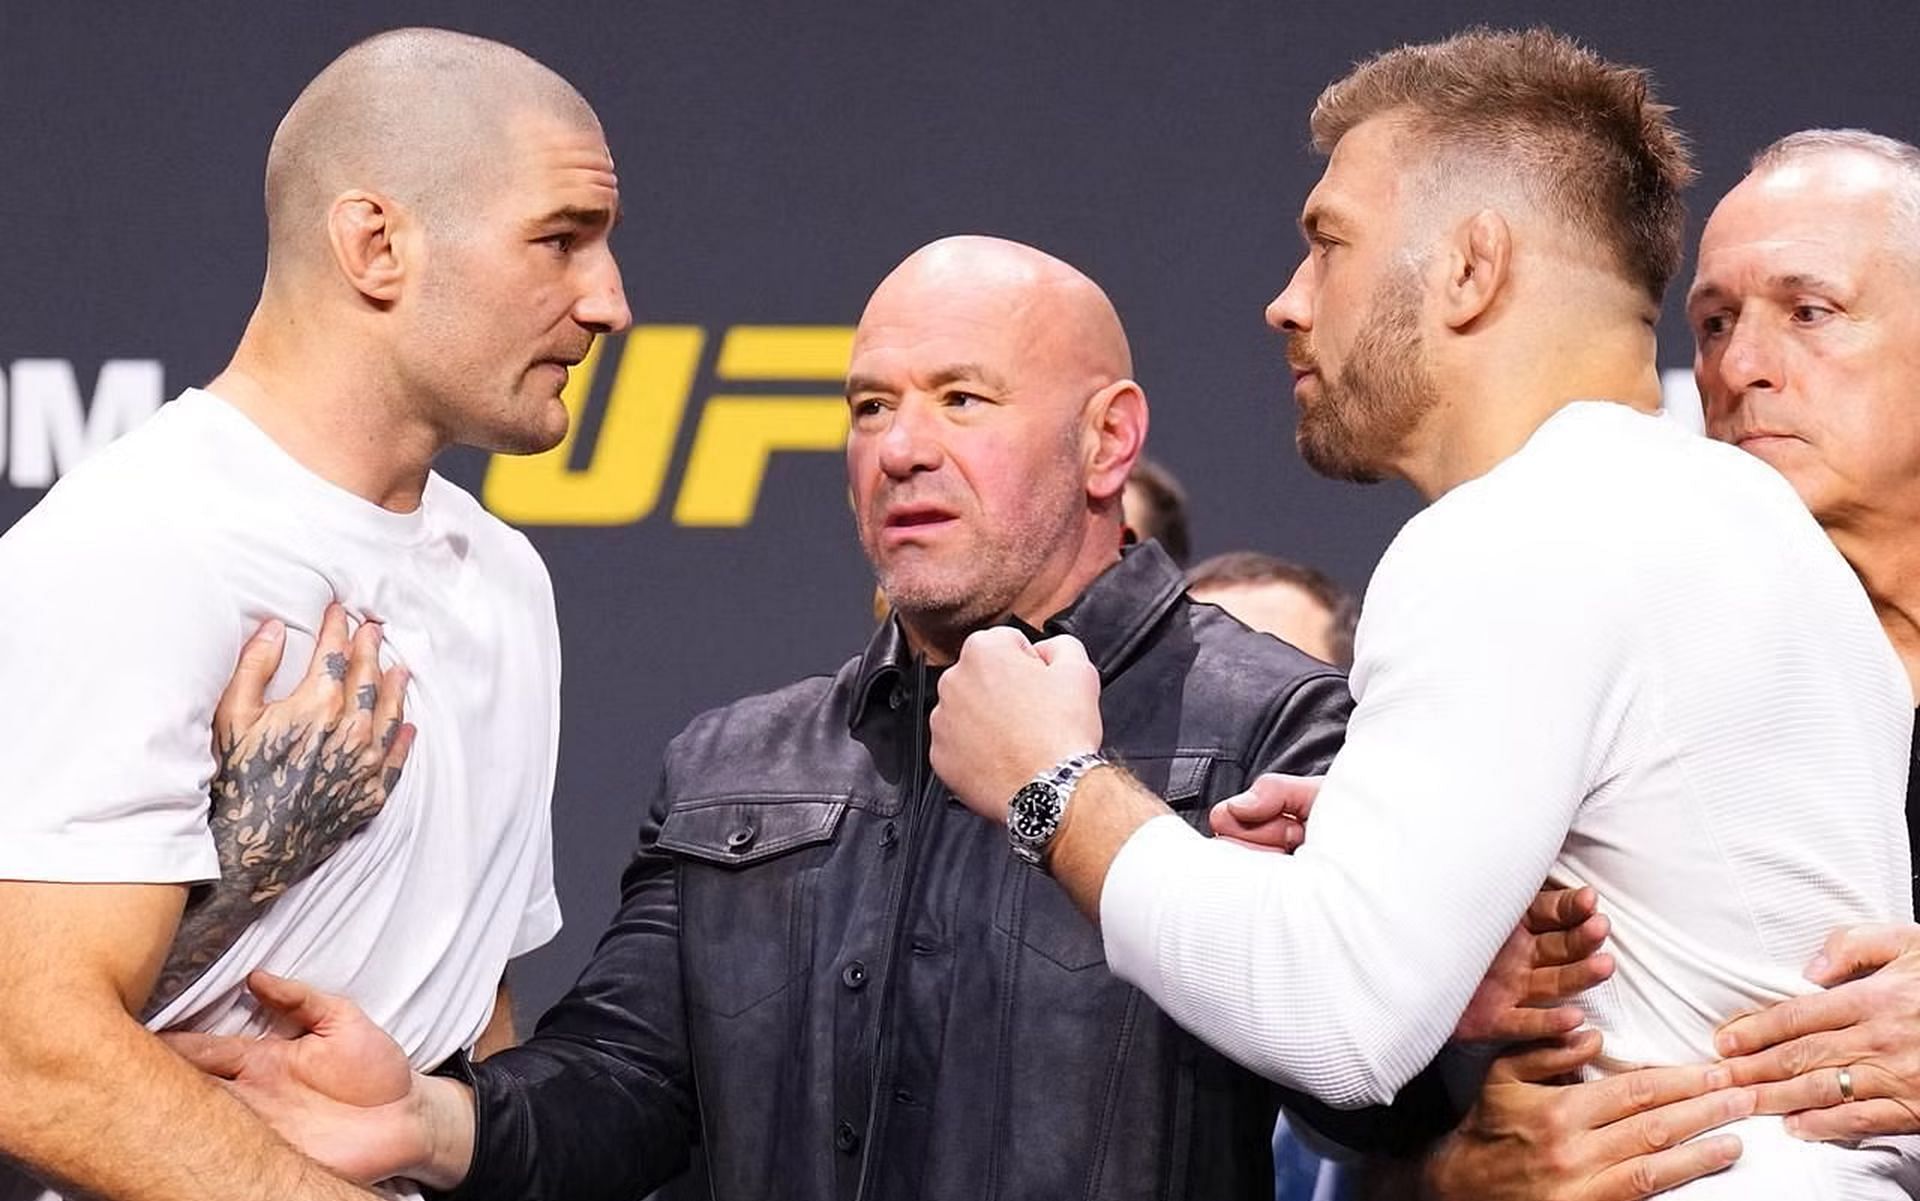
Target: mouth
[1755, 439]
[909, 522]
[1302, 378]
[554, 372]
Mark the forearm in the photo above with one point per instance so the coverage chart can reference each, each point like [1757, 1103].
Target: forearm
[213, 921]
[1422, 1112]
[1108, 807]
[96, 1105]
[443, 1118]
[598, 1103]
[1297, 970]
[559, 1120]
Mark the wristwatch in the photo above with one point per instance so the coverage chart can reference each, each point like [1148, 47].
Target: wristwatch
[1033, 816]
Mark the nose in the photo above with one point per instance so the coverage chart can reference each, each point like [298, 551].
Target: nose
[602, 305]
[911, 441]
[1292, 310]
[1748, 359]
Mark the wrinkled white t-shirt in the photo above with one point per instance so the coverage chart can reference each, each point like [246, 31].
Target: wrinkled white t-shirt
[125, 597]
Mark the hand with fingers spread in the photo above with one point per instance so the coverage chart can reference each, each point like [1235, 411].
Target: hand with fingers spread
[1844, 1063]
[1271, 815]
[295, 779]
[1551, 956]
[337, 1088]
[1532, 1136]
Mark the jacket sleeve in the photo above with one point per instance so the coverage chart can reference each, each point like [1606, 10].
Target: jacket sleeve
[599, 1103]
[1303, 733]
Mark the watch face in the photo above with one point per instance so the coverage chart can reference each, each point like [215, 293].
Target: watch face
[1034, 812]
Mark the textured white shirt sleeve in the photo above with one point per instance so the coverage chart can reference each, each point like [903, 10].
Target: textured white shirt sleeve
[1489, 677]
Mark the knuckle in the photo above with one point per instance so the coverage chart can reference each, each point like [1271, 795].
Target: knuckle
[1558, 1159]
[1642, 1179]
[1654, 1134]
[1641, 1090]
[1795, 1058]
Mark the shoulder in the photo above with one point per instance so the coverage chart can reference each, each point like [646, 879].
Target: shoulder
[742, 745]
[102, 535]
[510, 556]
[1230, 659]
[1232, 689]
[161, 496]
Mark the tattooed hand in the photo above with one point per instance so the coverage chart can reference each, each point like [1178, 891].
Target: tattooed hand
[296, 778]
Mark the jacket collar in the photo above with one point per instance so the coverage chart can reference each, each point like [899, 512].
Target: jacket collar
[1111, 618]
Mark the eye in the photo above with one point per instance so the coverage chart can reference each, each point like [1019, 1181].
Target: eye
[1809, 314]
[962, 400]
[1713, 325]
[560, 243]
[865, 407]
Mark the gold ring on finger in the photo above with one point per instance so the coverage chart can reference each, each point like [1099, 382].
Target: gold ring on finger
[1846, 1086]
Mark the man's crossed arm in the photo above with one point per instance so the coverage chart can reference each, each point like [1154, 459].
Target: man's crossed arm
[93, 1102]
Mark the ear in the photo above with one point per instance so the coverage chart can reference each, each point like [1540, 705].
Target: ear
[1116, 432]
[369, 236]
[1479, 264]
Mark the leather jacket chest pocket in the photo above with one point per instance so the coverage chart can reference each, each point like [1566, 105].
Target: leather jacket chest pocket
[1038, 912]
[749, 878]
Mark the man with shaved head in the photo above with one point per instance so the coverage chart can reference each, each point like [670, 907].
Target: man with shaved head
[826, 974]
[1608, 652]
[437, 211]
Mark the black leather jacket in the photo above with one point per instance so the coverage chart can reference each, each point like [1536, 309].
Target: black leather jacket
[841, 984]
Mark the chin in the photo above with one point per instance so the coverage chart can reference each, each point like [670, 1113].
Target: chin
[1335, 462]
[546, 431]
[514, 441]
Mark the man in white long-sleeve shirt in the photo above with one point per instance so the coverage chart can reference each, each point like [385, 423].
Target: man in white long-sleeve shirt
[1806, 317]
[1608, 651]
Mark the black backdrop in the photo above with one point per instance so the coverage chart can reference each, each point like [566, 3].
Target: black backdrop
[776, 160]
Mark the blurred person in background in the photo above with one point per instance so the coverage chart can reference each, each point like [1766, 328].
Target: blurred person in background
[1154, 505]
[1298, 605]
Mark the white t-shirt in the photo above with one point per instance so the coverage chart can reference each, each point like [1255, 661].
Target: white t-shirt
[1627, 657]
[125, 596]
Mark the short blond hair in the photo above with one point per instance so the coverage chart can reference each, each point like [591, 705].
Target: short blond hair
[1585, 135]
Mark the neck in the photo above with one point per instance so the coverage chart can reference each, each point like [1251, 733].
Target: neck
[1494, 399]
[1886, 556]
[1053, 589]
[331, 408]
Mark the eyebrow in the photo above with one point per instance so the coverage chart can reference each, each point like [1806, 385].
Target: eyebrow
[952, 373]
[581, 215]
[1792, 281]
[1316, 215]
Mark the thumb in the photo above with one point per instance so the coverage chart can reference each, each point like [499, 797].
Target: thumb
[219, 1055]
[1858, 950]
[1273, 795]
[1555, 909]
[1549, 1063]
[1062, 649]
[306, 1007]
[246, 693]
